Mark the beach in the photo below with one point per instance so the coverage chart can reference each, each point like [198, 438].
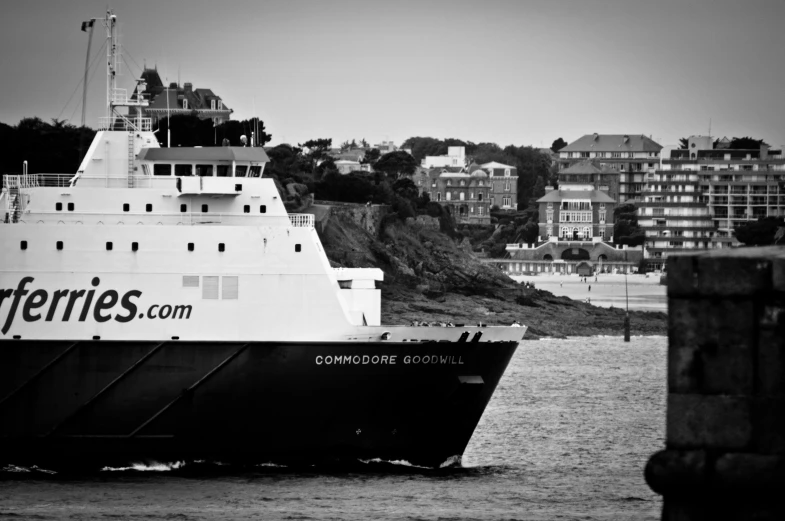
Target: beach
[605, 290]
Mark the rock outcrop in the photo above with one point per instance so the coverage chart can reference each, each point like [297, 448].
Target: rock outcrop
[428, 276]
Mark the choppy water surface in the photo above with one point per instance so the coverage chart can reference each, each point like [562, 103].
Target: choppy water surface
[566, 436]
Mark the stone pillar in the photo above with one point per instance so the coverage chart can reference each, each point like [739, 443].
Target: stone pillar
[725, 443]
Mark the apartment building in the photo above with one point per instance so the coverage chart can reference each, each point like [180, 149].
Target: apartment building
[632, 156]
[701, 194]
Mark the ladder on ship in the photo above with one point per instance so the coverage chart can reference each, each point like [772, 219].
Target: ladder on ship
[131, 159]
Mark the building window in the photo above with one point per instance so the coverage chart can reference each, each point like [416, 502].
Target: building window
[479, 210]
[185, 103]
[462, 196]
[220, 104]
[449, 196]
[507, 185]
[449, 182]
[479, 197]
[506, 201]
[438, 196]
[616, 154]
[506, 172]
[212, 104]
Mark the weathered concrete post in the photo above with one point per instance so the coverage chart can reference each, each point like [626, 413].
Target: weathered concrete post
[725, 447]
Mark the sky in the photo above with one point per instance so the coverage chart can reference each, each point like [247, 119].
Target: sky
[509, 72]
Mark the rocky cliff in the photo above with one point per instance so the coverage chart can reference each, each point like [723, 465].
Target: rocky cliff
[430, 277]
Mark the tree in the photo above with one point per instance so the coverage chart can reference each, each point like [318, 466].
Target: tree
[396, 163]
[406, 188]
[371, 157]
[364, 143]
[760, 232]
[317, 150]
[683, 143]
[558, 144]
[424, 146]
[539, 188]
[746, 143]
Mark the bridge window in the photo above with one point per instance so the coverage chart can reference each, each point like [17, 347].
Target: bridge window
[162, 169]
[223, 171]
[241, 170]
[183, 170]
[204, 170]
[256, 171]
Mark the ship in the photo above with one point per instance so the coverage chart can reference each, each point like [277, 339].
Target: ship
[161, 304]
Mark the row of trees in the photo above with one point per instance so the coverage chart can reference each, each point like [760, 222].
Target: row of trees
[58, 147]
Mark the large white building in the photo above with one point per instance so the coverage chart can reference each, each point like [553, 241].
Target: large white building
[456, 156]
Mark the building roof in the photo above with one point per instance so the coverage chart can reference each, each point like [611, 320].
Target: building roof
[494, 164]
[587, 167]
[255, 154]
[454, 174]
[595, 196]
[613, 143]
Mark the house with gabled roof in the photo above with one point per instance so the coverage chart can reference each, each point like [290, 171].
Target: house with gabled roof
[177, 100]
[504, 184]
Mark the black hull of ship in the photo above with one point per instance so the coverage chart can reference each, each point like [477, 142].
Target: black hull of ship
[88, 404]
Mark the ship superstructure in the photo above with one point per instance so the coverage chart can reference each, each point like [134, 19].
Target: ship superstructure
[161, 302]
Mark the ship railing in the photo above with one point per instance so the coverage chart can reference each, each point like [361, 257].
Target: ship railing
[37, 180]
[125, 124]
[301, 220]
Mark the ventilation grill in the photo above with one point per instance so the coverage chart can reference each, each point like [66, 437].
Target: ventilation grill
[229, 288]
[210, 287]
[190, 281]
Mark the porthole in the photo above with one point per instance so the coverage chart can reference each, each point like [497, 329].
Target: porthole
[190, 246]
[221, 246]
[70, 207]
[183, 207]
[149, 207]
[134, 246]
[59, 245]
[59, 207]
[263, 209]
[247, 208]
[109, 246]
[204, 208]
[126, 207]
[23, 245]
[298, 248]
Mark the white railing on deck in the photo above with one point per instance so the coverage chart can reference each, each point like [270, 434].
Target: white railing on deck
[37, 180]
[301, 220]
[124, 124]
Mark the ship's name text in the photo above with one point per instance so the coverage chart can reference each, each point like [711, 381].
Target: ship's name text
[66, 300]
[388, 360]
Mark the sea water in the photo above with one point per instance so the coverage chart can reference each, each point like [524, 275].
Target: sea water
[566, 436]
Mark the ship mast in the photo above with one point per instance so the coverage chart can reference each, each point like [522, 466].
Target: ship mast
[110, 23]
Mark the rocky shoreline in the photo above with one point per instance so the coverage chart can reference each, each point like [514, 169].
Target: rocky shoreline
[430, 277]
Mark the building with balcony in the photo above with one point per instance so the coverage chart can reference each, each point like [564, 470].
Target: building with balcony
[176, 100]
[701, 194]
[582, 207]
[632, 156]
